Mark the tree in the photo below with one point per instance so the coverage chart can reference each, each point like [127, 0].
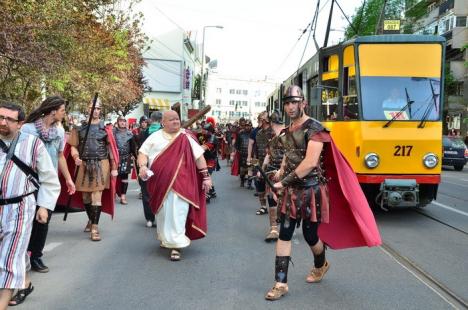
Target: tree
[367, 16]
[73, 48]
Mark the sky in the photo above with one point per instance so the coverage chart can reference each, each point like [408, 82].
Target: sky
[260, 38]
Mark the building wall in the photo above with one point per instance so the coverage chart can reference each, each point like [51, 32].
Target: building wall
[449, 18]
[232, 98]
[173, 45]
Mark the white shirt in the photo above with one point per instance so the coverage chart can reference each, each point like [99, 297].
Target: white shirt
[156, 143]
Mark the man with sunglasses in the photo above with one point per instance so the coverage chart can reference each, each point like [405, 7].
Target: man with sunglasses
[26, 172]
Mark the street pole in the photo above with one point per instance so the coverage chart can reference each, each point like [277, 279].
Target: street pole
[202, 103]
[202, 68]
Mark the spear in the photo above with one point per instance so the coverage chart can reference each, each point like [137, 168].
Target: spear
[81, 149]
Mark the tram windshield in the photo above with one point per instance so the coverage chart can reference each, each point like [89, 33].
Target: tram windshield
[400, 98]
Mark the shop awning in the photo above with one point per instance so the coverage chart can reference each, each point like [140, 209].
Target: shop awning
[157, 103]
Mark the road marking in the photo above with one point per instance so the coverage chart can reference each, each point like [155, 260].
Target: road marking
[457, 184]
[50, 246]
[449, 208]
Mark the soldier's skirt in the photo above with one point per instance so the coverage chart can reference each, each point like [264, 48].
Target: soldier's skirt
[93, 176]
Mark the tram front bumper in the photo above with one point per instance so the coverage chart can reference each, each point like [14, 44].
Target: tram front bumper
[399, 192]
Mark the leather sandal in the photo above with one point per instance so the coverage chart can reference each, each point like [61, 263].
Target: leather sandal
[95, 236]
[316, 274]
[21, 295]
[261, 211]
[276, 292]
[175, 255]
[123, 202]
[88, 227]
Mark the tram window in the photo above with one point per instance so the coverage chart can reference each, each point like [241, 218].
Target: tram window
[350, 108]
[330, 100]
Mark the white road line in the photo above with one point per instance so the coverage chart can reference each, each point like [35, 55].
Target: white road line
[50, 246]
[449, 208]
[457, 184]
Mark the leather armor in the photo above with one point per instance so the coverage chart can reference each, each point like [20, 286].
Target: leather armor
[295, 146]
[96, 144]
[263, 137]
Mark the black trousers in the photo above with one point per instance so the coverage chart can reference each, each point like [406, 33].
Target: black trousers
[38, 236]
[145, 198]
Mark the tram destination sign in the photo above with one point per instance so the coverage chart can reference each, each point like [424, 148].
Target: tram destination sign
[391, 26]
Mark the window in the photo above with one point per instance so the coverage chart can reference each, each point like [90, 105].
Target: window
[238, 91]
[461, 21]
[232, 91]
[245, 92]
[231, 102]
[219, 90]
[244, 103]
[218, 101]
[231, 113]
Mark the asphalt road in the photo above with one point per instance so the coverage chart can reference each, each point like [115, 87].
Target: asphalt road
[232, 268]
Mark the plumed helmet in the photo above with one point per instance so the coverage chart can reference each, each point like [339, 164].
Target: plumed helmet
[276, 117]
[209, 127]
[211, 121]
[293, 93]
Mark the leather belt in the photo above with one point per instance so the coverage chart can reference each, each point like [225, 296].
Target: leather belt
[9, 201]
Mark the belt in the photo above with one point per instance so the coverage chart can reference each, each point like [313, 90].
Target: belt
[9, 201]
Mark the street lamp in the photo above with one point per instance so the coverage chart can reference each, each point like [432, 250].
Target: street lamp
[203, 62]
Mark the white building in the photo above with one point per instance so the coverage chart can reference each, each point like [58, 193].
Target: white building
[232, 98]
[172, 64]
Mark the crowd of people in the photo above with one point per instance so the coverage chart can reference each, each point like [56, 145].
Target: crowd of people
[299, 175]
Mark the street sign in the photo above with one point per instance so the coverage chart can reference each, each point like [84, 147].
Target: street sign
[391, 26]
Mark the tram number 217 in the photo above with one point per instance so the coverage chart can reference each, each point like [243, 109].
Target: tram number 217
[403, 150]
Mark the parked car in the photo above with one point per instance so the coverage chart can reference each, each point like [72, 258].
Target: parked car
[455, 152]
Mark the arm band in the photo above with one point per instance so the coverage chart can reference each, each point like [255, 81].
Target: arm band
[204, 173]
[290, 179]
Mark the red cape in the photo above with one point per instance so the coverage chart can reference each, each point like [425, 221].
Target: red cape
[352, 223]
[236, 165]
[181, 177]
[107, 195]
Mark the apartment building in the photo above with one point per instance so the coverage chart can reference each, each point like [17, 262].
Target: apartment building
[447, 18]
[232, 98]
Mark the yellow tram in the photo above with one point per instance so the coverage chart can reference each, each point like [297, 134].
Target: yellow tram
[381, 97]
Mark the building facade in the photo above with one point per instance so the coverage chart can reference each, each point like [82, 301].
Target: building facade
[232, 98]
[172, 65]
[447, 18]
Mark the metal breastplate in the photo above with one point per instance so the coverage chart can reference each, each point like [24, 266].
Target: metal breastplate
[122, 138]
[263, 137]
[96, 144]
[244, 143]
[295, 146]
[276, 153]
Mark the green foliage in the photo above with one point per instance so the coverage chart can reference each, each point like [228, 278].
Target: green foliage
[367, 16]
[77, 47]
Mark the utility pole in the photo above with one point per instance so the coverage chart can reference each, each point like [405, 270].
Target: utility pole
[378, 27]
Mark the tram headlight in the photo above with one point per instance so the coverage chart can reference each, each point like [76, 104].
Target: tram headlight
[430, 160]
[372, 160]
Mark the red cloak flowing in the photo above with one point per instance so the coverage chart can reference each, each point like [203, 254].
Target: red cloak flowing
[236, 164]
[175, 169]
[352, 223]
[77, 200]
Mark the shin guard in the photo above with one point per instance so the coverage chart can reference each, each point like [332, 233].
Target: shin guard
[319, 260]
[281, 268]
[96, 214]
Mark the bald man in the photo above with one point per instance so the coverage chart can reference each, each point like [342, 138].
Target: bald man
[177, 177]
